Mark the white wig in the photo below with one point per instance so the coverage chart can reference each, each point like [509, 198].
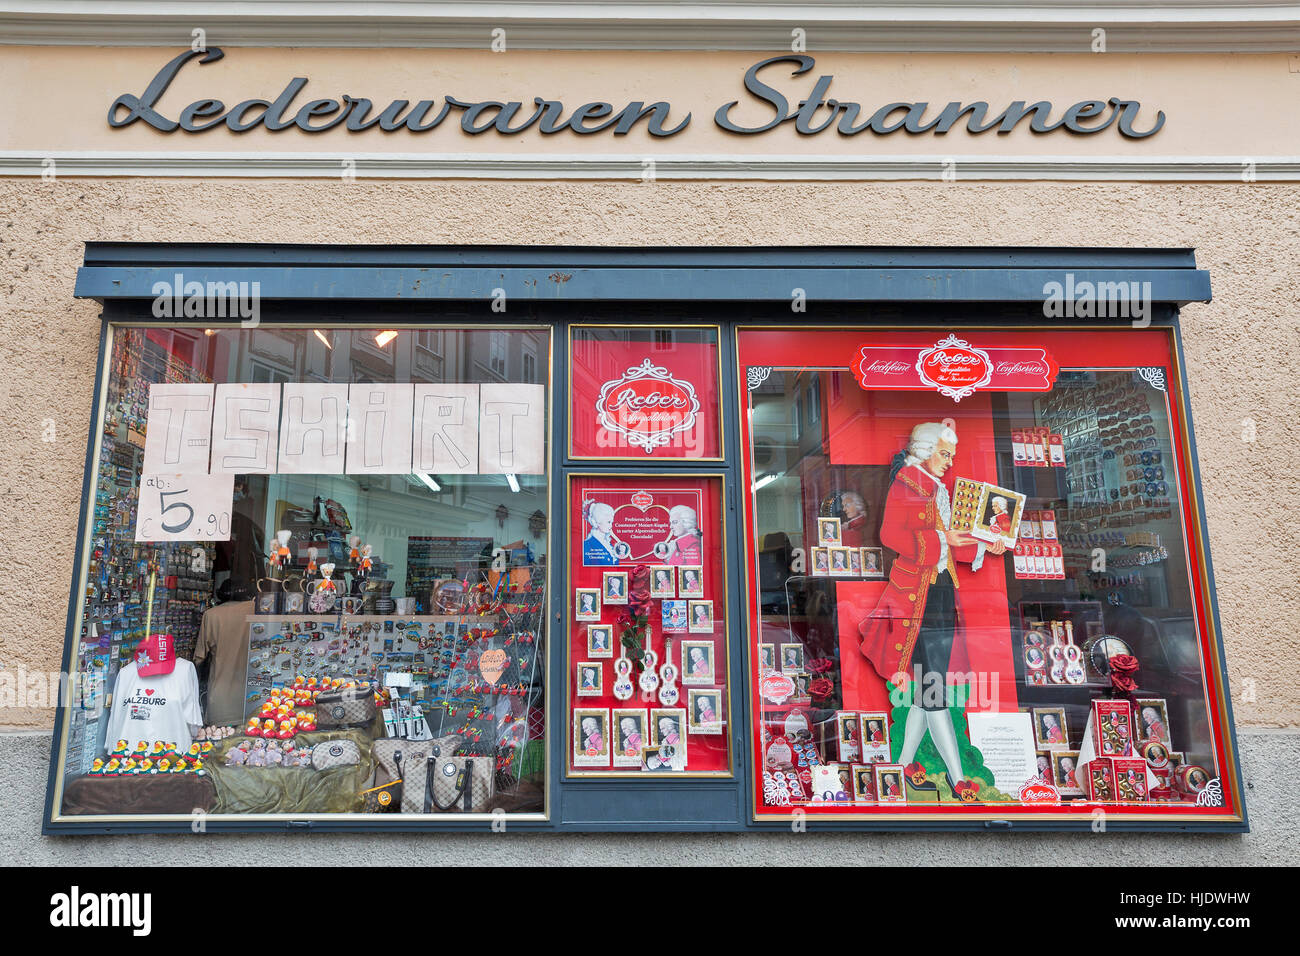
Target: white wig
[685, 512]
[1000, 503]
[925, 437]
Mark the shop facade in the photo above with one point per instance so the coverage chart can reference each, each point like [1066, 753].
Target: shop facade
[742, 484]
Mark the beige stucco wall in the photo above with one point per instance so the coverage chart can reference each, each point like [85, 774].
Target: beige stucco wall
[1240, 348]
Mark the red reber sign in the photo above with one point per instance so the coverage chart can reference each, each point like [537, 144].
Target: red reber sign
[776, 687]
[648, 406]
[956, 368]
[1038, 791]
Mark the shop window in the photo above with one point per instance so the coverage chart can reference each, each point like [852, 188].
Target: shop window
[976, 579]
[313, 587]
[645, 394]
[647, 645]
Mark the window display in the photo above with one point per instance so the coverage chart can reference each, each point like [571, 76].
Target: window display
[316, 575]
[975, 571]
[647, 629]
[647, 394]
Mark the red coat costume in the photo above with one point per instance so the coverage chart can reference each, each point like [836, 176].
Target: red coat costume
[911, 526]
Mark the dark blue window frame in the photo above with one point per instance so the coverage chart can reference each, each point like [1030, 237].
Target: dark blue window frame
[729, 286]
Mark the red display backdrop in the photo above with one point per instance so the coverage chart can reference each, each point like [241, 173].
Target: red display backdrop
[868, 427]
[982, 595]
[644, 394]
[667, 522]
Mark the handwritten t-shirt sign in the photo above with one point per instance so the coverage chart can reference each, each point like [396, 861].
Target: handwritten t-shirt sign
[446, 429]
[379, 439]
[246, 429]
[184, 507]
[180, 425]
[313, 428]
[326, 428]
[512, 429]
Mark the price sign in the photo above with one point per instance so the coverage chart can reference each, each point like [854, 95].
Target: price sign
[184, 507]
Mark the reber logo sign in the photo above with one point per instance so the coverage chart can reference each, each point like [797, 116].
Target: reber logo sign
[776, 687]
[955, 368]
[647, 406]
[1039, 791]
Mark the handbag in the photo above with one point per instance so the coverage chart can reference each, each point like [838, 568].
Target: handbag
[349, 707]
[409, 761]
[461, 784]
[335, 753]
[386, 798]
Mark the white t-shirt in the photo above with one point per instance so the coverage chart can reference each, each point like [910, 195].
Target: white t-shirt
[163, 707]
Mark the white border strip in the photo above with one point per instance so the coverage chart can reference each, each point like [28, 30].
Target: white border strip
[832, 25]
[649, 167]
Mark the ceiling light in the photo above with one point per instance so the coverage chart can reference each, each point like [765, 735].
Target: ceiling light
[323, 340]
[383, 338]
[513, 482]
[427, 479]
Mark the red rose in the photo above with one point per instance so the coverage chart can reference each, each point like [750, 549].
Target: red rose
[820, 665]
[821, 687]
[638, 590]
[1122, 669]
[630, 636]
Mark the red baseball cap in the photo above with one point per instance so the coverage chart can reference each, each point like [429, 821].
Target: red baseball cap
[156, 655]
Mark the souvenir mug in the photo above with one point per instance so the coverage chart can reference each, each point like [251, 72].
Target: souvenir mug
[323, 594]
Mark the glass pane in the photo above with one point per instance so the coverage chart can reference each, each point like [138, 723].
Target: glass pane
[648, 626]
[318, 566]
[645, 393]
[952, 589]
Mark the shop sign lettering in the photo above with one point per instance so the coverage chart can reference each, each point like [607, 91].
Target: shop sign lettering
[811, 111]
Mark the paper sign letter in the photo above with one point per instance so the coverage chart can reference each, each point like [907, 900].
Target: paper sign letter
[379, 441]
[512, 429]
[184, 507]
[312, 434]
[180, 425]
[245, 428]
[446, 429]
